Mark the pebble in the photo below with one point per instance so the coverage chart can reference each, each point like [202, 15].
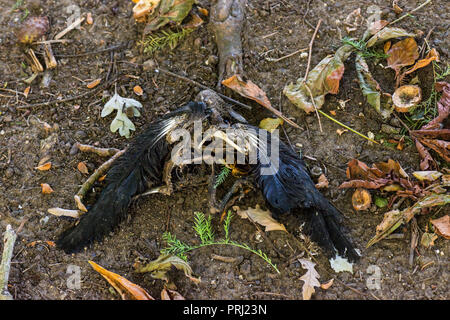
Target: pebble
[80, 134]
[389, 129]
[149, 65]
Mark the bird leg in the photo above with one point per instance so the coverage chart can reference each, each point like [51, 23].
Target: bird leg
[242, 187]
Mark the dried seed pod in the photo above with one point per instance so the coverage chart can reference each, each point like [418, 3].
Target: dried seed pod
[406, 97]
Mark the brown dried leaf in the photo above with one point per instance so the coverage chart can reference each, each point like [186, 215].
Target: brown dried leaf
[391, 166]
[310, 278]
[364, 184]
[322, 182]
[442, 226]
[263, 217]
[247, 89]
[125, 288]
[138, 90]
[402, 53]
[327, 285]
[431, 56]
[26, 92]
[89, 19]
[167, 294]
[82, 168]
[44, 167]
[46, 189]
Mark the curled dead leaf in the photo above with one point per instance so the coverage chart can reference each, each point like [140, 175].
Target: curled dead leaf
[46, 189]
[82, 168]
[322, 182]
[93, 84]
[310, 278]
[327, 285]
[138, 90]
[263, 217]
[442, 226]
[124, 287]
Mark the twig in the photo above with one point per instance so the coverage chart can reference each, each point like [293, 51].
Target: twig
[8, 240]
[286, 56]
[347, 127]
[69, 28]
[310, 49]
[97, 173]
[157, 70]
[315, 107]
[409, 13]
[102, 152]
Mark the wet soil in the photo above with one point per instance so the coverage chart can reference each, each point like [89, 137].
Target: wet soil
[272, 29]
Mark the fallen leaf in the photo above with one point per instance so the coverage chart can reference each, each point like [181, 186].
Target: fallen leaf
[138, 90]
[44, 167]
[26, 92]
[89, 19]
[125, 288]
[322, 182]
[387, 46]
[158, 268]
[401, 54]
[324, 78]
[270, 124]
[361, 199]
[442, 226]
[327, 285]
[433, 55]
[428, 239]
[427, 175]
[310, 279]
[93, 84]
[341, 131]
[260, 216]
[82, 168]
[46, 189]
[386, 33]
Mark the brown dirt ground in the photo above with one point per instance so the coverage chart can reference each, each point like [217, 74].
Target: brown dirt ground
[39, 271]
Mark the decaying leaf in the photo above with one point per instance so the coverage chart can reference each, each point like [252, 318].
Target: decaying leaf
[401, 54]
[59, 212]
[382, 102]
[82, 168]
[327, 285]
[44, 167]
[310, 278]
[80, 204]
[387, 33]
[46, 189]
[361, 199]
[433, 55]
[263, 217]
[323, 79]
[442, 226]
[428, 239]
[270, 124]
[322, 182]
[247, 89]
[121, 121]
[125, 288]
[427, 175]
[393, 219]
[138, 90]
[158, 268]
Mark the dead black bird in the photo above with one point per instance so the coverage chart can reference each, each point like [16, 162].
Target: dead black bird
[283, 179]
[137, 170]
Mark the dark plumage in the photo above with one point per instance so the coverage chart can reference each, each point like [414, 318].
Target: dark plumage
[290, 188]
[139, 168]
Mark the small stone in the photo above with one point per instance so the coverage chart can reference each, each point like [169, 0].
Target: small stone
[149, 65]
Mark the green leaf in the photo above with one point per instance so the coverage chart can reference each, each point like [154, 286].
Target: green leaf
[381, 202]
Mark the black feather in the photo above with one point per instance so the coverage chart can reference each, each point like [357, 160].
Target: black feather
[138, 169]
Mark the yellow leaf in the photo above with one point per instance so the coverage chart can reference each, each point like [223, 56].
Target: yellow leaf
[270, 124]
[126, 289]
[260, 216]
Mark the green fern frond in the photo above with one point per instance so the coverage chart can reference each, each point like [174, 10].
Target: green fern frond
[222, 176]
[163, 38]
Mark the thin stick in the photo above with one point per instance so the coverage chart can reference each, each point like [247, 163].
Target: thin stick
[69, 28]
[102, 152]
[346, 127]
[310, 49]
[286, 56]
[100, 171]
[157, 70]
[8, 240]
[409, 13]
[315, 107]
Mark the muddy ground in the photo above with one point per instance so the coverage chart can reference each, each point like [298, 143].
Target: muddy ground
[272, 29]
